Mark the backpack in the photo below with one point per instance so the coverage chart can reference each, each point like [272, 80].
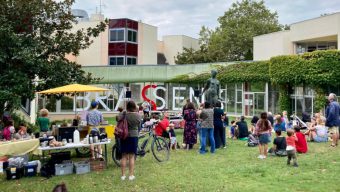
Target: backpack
[122, 128]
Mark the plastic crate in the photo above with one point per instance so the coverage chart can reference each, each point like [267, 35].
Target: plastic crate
[64, 168]
[30, 170]
[14, 173]
[82, 167]
[97, 165]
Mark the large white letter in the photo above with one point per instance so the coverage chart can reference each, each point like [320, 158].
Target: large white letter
[121, 98]
[99, 99]
[159, 98]
[85, 99]
[192, 94]
[174, 97]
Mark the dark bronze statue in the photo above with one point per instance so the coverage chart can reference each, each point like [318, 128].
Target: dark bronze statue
[212, 89]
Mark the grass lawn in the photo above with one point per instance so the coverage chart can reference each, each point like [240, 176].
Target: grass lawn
[233, 169]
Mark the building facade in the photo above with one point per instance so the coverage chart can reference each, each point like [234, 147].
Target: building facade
[128, 42]
[320, 33]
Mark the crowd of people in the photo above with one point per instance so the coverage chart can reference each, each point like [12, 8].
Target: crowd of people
[208, 125]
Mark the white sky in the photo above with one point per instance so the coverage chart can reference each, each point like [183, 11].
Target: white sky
[185, 17]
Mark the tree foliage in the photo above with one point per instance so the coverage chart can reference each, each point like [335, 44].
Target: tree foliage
[35, 37]
[232, 40]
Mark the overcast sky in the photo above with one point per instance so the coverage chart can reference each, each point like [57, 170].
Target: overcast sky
[185, 17]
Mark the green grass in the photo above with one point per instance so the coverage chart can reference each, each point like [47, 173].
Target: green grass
[233, 169]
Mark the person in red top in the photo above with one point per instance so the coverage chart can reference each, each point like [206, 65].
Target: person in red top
[301, 143]
[291, 147]
[161, 127]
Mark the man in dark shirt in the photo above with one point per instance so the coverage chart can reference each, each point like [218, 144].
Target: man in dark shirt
[242, 129]
[332, 118]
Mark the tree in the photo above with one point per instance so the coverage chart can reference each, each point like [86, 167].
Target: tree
[35, 37]
[232, 40]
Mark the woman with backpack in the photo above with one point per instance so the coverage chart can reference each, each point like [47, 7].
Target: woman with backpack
[263, 131]
[129, 144]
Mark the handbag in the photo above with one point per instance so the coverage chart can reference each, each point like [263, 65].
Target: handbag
[122, 128]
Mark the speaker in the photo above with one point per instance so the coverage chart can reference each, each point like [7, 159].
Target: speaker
[65, 133]
[128, 94]
[196, 92]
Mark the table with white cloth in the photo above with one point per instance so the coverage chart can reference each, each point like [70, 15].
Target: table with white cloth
[69, 146]
[18, 147]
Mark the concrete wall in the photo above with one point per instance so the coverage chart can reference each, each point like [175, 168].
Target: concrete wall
[321, 29]
[173, 44]
[314, 28]
[97, 53]
[265, 46]
[147, 44]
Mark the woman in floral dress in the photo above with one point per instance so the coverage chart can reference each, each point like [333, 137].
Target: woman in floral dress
[190, 131]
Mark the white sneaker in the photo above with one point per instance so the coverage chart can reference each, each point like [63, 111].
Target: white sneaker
[260, 156]
[132, 177]
[123, 177]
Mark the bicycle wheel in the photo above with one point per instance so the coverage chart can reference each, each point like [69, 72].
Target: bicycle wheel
[83, 152]
[116, 155]
[160, 149]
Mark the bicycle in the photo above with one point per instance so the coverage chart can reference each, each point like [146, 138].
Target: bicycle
[159, 147]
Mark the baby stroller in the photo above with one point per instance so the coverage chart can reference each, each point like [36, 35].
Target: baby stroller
[295, 120]
[253, 140]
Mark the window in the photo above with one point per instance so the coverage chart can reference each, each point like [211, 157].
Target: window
[117, 35]
[132, 36]
[131, 60]
[116, 60]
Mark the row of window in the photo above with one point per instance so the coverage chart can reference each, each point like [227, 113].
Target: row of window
[122, 60]
[123, 35]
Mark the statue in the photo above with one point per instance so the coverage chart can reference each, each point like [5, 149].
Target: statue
[212, 89]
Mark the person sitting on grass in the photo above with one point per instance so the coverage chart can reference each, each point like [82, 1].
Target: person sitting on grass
[320, 134]
[279, 123]
[301, 143]
[233, 130]
[279, 145]
[291, 147]
[242, 129]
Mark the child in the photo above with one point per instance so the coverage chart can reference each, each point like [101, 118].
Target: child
[172, 136]
[279, 145]
[291, 151]
[233, 128]
[301, 143]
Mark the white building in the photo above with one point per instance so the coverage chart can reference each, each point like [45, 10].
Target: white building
[320, 33]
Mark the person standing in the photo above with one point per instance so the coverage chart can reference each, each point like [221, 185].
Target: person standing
[130, 144]
[332, 118]
[43, 122]
[263, 130]
[219, 134]
[207, 126]
[291, 148]
[190, 131]
[94, 118]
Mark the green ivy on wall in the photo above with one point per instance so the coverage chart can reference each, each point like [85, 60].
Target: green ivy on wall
[317, 69]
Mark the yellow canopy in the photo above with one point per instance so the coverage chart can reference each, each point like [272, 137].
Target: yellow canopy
[73, 88]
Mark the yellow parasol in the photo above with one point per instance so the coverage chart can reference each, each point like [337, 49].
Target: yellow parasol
[73, 88]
